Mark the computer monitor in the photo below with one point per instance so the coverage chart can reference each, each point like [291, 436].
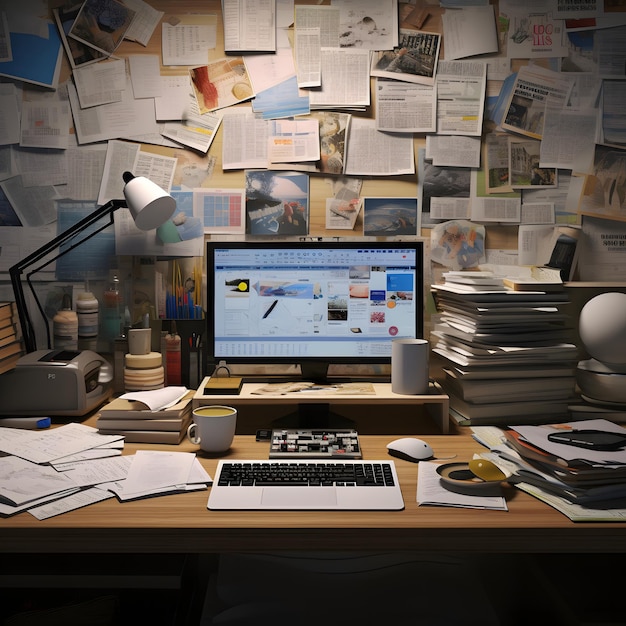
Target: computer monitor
[312, 303]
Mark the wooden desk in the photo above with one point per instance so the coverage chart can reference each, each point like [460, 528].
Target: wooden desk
[435, 403]
[182, 523]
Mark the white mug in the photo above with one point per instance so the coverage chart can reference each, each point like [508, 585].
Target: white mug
[213, 428]
[139, 340]
[409, 366]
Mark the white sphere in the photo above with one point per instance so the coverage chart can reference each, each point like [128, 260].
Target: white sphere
[602, 327]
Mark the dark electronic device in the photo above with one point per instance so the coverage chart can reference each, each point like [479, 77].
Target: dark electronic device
[590, 439]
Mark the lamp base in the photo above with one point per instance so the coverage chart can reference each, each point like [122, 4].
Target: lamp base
[602, 382]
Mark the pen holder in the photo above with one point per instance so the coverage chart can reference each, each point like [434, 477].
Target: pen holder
[191, 347]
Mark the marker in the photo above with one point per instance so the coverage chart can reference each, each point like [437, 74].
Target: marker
[31, 423]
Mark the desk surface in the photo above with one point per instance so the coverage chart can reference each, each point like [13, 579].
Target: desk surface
[182, 523]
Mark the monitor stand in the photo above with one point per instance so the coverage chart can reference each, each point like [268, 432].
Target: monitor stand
[315, 372]
[314, 416]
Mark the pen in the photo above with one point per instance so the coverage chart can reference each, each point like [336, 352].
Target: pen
[270, 309]
[32, 423]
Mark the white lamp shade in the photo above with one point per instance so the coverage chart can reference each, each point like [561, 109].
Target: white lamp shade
[149, 205]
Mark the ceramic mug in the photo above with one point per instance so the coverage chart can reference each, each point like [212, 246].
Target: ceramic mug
[139, 340]
[213, 428]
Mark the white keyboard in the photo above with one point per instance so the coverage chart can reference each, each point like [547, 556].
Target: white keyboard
[306, 485]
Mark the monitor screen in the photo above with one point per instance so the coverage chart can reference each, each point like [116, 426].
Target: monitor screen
[312, 304]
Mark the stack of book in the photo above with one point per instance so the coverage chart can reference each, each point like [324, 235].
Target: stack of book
[577, 467]
[507, 354]
[140, 424]
[11, 347]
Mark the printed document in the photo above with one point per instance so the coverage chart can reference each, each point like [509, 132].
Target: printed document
[345, 79]
[403, 107]
[461, 97]
[307, 51]
[249, 25]
[393, 154]
[186, 39]
[293, 140]
[244, 141]
[469, 31]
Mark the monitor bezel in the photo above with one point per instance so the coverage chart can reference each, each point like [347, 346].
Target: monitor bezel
[214, 361]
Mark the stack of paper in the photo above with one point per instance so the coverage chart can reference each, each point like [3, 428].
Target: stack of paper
[55, 471]
[159, 416]
[585, 483]
[508, 358]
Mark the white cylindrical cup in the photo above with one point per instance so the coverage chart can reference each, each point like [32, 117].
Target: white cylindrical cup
[213, 428]
[409, 366]
[139, 340]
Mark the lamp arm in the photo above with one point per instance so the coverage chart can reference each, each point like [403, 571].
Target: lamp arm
[16, 271]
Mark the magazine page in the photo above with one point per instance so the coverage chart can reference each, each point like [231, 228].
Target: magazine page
[535, 89]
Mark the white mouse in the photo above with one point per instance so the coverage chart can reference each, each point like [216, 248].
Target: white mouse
[410, 449]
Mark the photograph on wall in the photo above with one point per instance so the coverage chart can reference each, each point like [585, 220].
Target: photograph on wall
[592, 50]
[8, 216]
[526, 172]
[444, 192]
[604, 191]
[102, 24]
[387, 217]
[277, 203]
[414, 60]
[496, 160]
[221, 84]
[458, 244]
[333, 140]
[77, 52]
[368, 24]
[343, 214]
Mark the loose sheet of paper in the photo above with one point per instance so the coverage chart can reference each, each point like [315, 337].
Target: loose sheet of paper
[157, 399]
[49, 445]
[155, 469]
[187, 39]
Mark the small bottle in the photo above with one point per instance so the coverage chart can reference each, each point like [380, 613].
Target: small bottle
[172, 354]
[112, 310]
[65, 326]
[87, 310]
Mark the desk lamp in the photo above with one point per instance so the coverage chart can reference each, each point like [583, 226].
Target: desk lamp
[602, 329]
[66, 382]
[150, 207]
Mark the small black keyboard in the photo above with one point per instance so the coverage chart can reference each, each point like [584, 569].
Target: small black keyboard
[299, 444]
[265, 474]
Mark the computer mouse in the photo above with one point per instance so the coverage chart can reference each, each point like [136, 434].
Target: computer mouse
[410, 449]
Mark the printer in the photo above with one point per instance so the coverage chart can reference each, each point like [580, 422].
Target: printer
[55, 382]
